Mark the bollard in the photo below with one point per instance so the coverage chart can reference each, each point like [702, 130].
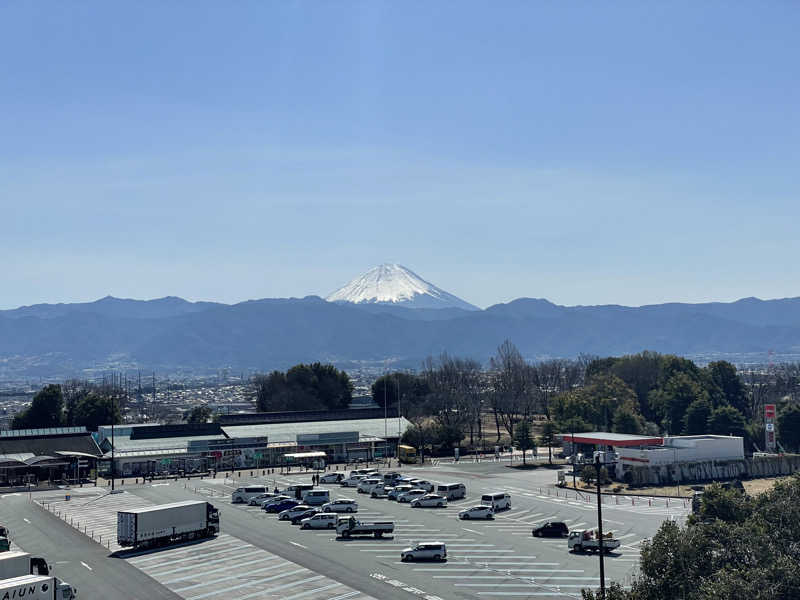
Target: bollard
[617, 499]
[649, 502]
[631, 501]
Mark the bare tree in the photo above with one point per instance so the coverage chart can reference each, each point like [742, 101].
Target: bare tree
[513, 393]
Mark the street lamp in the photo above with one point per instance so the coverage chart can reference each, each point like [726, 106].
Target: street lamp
[600, 529]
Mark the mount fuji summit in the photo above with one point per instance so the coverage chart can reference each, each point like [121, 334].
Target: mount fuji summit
[392, 284]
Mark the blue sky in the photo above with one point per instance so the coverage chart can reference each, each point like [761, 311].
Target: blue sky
[598, 153]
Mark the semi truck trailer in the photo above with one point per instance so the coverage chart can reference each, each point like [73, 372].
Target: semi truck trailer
[31, 587]
[166, 523]
[18, 564]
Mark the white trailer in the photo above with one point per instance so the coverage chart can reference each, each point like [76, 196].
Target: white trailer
[166, 523]
[18, 564]
[32, 587]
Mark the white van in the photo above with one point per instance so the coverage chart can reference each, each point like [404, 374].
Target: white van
[316, 497]
[320, 521]
[452, 491]
[497, 500]
[243, 494]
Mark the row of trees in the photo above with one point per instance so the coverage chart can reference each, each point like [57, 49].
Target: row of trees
[646, 393]
[736, 547]
[303, 387]
[73, 403]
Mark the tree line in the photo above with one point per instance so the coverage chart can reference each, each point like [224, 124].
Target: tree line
[72, 403]
[314, 386]
[646, 393]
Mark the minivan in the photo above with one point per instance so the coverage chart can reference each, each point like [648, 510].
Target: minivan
[452, 491]
[243, 494]
[497, 500]
[316, 497]
[425, 550]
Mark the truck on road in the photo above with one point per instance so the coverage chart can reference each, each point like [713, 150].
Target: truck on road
[166, 523]
[33, 587]
[588, 541]
[350, 526]
[18, 564]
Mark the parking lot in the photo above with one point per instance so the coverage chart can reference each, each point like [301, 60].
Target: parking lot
[256, 553]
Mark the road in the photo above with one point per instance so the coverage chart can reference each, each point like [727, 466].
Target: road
[264, 558]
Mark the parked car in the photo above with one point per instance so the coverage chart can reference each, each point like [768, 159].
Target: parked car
[297, 519]
[391, 477]
[341, 505]
[477, 512]
[331, 478]
[551, 529]
[429, 500]
[352, 481]
[274, 500]
[316, 497]
[286, 515]
[422, 484]
[453, 491]
[399, 489]
[410, 495]
[381, 491]
[365, 486]
[257, 500]
[320, 521]
[277, 507]
[425, 551]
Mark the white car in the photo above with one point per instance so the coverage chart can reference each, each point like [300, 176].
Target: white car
[320, 521]
[429, 500]
[352, 481]
[365, 486]
[289, 513]
[331, 478]
[381, 491]
[399, 489]
[425, 550]
[410, 495]
[341, 505]
[422, 484]
[477, 512]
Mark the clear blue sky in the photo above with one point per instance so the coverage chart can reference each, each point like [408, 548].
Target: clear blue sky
[623, 152]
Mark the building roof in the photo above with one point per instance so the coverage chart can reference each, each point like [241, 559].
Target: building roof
[603, 438]
[124, 443]
[288, 432]
[52, 444]
[306, 416]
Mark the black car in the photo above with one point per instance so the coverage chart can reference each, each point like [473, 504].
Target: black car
[551, 529]
[309, 513]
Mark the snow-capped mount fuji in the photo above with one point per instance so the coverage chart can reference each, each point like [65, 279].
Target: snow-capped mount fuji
[396, 285]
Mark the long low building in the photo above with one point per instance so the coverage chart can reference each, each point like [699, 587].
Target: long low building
[250, 441]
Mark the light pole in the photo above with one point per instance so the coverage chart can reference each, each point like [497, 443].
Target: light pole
[572, 441]
[600, 530]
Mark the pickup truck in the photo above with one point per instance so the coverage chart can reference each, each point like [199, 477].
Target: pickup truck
[580, 541]
[349, 526]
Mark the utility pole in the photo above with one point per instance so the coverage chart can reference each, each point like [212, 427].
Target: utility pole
[113, 468]
[572, 441]
[597, 465]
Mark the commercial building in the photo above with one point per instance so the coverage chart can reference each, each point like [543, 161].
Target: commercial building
[650, 451]
[55, 455]
[251, 441]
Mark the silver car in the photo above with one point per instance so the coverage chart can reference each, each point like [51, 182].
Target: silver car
[425, 551]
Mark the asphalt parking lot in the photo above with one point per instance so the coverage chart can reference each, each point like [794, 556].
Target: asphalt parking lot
[258, 556]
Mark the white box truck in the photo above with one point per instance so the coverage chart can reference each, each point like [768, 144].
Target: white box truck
[18, 564]
[32, 587]
[166, 523]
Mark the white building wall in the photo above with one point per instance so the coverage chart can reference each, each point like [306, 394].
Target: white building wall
[684, 449]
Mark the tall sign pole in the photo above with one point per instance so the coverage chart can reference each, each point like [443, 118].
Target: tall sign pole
[769, 428]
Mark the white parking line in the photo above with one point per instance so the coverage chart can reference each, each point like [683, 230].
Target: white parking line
[87, 566]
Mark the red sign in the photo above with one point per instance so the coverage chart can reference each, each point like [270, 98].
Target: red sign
[769, 411]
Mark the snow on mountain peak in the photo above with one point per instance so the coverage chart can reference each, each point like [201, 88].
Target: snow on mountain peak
[395, 284]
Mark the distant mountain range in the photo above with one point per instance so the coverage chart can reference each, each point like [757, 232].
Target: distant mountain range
[173, 334]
